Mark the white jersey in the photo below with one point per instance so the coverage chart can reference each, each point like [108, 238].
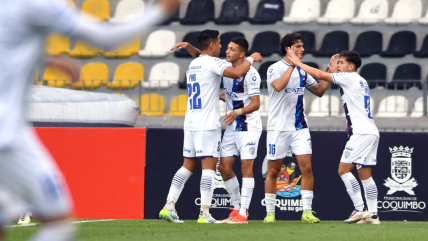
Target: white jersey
[356, 103]
[238, 95]
[286, 112]
[203, 85]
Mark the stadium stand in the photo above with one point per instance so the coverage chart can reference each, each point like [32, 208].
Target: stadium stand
[393, 106]
[191, 38]
[338, 12]
[233, 12]
[423, 52]
[57, 44]
[83, 50]
[152, 105]
[97, 8]
[225, 40]
[178, 106]
[163, 75]
[320, 106]
[55, 77]
[127, 9]
[92, 75]
[369, 43]
[308, 40]
[417, 110]
[374, 73]
[405, 12]
[401, 44]
[127, 76]
[333, 43]
[263, 72]
[406, 76]
[158, 44]
[264, 105]
[268, 12]
[125, 51]
[371, 12]
[173, 18]
[303, 11]
[424, 20]
[266, 43]
[199, 12]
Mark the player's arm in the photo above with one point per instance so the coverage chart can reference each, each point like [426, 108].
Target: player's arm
[240, 70]
[282, 82]
[222, 96]
[254, 106]
[192, 50]
[70, 67]
[320, 88]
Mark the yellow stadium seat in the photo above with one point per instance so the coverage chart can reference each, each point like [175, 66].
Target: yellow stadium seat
[57, 44]
[127, 76]
[125, 51]
[152, 105]
[56, 77]
[178, 106]
[92, 76]
[97, 8]
[82, 50]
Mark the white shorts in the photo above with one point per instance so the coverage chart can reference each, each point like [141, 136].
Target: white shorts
[278, 143]
[199, 144]
[29, 173]
[243, 143]
[361, 150]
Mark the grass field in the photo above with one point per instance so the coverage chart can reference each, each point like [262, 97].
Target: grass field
[131, 230]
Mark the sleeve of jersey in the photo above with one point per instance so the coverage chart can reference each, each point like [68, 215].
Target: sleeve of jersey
[272, 74]
[218, 66]
[253, 84]
[310, 81]
[340, 79]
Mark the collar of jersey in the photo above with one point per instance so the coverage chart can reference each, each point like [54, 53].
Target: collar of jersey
[203, 55]
[285, 62]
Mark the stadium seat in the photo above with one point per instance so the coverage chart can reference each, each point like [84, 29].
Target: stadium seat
[191, 38]
[312, 64]
[418, 109]
[92, 75]
[393, 106]
[423, 52]
[152, 105]
[55, 77]
[199, 12]
[424, 20]
[162, 76]
[371, 12]
[127, 9]
[178, 106]
[125, 51]
[97, 8]
[303, 11]
[406, 76]
[333, 43]
[158, 44]
[374, 74]
[57, 44]
[308, 40]
[319, 106]
[400, 44]
[369, 43]
[338, 12]
[222, 108]
[266, 43]
[225, 40]
[126, 77]
[263, 72]
[405, 12]
[264, 105]
[233, 12]
[83, 50]
[268, 12]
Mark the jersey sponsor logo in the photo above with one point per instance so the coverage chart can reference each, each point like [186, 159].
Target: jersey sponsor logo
[297, 91]
[251, 143]
[186, 150]
[231, 94]
[199, 151]
[349, 148]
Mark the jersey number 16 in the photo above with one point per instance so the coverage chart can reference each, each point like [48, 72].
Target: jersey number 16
[195, 90]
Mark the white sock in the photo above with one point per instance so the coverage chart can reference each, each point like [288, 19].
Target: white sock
[62, 230]
[247, 194]
[177, 185]
[354, 190]
[370, 191]
[232, 187]
[206, 187]
[270, 203]
[307, 197]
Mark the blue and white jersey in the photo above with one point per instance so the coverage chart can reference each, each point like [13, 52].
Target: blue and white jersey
[238, 95]
[286, 112]
[203, 85]
[356, 103]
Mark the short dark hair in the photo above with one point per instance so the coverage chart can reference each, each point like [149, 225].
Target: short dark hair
[206, 37]
[288, 40]
[241, 42]
[352, 57]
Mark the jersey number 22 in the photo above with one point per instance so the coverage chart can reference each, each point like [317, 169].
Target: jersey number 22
[195, 90]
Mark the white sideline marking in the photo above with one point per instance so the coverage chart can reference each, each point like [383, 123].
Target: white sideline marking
[74, 222]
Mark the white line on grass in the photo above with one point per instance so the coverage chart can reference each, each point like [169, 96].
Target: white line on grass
[75, 222]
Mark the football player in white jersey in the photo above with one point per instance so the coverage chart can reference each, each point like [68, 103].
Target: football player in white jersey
[202, 128]
[361, 149]
[287, 125]
[27, 171]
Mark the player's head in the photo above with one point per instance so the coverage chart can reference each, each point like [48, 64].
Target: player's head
[236, 49]
[210, 40]
[295, 40]
[349, 61]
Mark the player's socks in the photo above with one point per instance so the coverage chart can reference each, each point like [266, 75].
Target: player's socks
[62, 230]
[247, 194]
[232, 187]
[207, 189]
[354, 190]
[370, 191]
[307, 197]
[270, 203]
[177, 185]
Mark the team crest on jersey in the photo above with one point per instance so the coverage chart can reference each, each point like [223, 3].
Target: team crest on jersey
[302, 72]
[252, 150]
[347, 154]
[254, 78]
[401, 171]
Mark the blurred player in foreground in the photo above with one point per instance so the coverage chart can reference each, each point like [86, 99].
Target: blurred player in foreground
[27, 170]
[361, 148]
[287, 125]
[202, 128]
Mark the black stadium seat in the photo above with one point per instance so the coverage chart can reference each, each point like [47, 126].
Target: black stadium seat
[225, 40]
[312, 64]
[374, 73]
[401, 43]
[424, 50]
[233, 12]
[266, 43]
[333, 43]
[199, 12]
[308, 41]
[406, 76]
[191, 38]
[268, 12]
[263, 72]
[369, 43]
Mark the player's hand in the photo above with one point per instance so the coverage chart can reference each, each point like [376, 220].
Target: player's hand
[71, 67]
[230, 118]
[181, 45]
[257, 57]
[293, 57]
[169, 6]
[332, 66]
[289, 51]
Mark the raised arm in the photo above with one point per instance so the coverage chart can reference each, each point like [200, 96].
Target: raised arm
[282, 82]
[240, 70]
[320, 88]
[192, 50]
